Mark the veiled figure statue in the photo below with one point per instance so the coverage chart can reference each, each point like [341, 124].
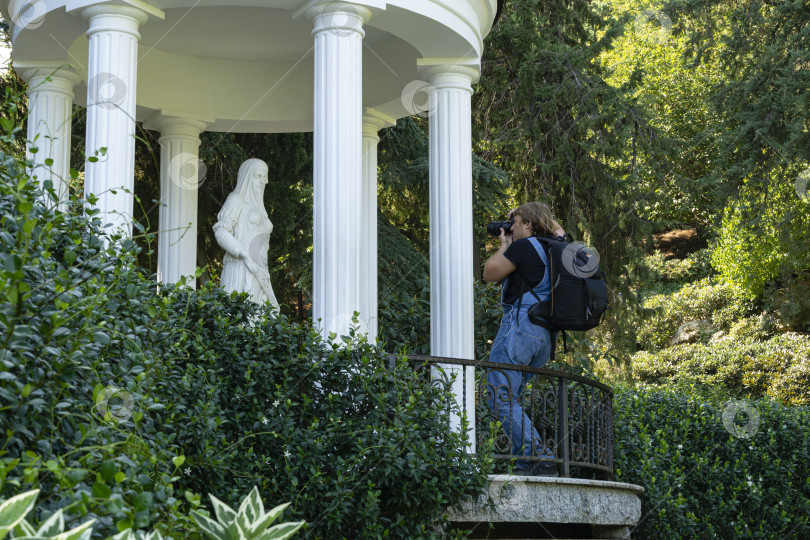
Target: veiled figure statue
[243, 230]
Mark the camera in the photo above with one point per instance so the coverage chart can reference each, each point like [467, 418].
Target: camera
[495, 227]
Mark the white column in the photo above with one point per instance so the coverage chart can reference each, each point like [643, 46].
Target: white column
[50, 104]
[373, 122]
[451, 226]
[180, 177]
[337, 165]
[111, 86]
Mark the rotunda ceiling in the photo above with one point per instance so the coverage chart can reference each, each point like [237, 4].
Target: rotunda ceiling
[247, 65]
[253, 34]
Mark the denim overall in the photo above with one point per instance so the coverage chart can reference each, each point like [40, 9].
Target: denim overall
[519, 342]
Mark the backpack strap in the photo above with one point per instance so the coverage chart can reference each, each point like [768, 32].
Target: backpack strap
[552, 332]
[547, 272]
[543, 257]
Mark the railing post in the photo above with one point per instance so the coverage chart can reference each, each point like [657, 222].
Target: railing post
[562, 429]
[609, 442]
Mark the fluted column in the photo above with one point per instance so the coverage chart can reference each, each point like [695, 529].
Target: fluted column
[337, 165]
[451, 226]
[111, 86]
[50, 104]
[373, 122]
[180, 177]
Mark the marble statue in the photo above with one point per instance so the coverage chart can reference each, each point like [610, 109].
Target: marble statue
[243, 230]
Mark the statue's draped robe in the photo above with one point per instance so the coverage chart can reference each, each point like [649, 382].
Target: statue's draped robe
[243, 226]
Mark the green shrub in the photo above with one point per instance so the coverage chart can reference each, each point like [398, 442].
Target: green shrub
[661, 270]
[741, 368]
[74, 316]
[760, 327]
[361, 449]
[721, 303]
[763, 248]
[702, 482]
[789, 304]
[249, 522]
[764, 237]
[793, 384]
[743, 255]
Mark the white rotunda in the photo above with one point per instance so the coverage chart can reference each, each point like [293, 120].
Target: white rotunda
[341, 69]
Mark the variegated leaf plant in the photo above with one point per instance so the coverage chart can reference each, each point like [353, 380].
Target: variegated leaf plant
[250, 522]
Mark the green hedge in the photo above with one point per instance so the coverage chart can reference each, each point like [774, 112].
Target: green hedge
[742, 367]
[74, 318]
[360, 449]
[703, 482]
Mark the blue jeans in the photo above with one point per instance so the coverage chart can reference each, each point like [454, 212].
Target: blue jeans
[519, 342]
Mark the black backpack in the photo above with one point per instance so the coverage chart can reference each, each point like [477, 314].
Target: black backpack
[578, 288]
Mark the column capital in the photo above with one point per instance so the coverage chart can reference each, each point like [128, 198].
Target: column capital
[112, 15]
[52, 76]
[311, 8]
[450, 73]
[170, 125]
[339, 18]
[374, 121]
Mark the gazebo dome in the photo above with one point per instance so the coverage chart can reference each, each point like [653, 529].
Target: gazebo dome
[247, 66]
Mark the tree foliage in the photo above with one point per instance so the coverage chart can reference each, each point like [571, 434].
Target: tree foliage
[762, 104]
[404, 181]
[545, 112]
[650, 62]
[764, 50]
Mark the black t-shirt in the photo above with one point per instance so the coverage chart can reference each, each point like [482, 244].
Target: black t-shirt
[529, 269]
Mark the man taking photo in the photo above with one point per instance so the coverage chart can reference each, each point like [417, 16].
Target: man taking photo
[521, 265]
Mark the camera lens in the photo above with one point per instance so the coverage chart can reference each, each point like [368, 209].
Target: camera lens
[494, 228]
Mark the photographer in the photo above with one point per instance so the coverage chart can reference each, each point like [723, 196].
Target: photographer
[521, 264]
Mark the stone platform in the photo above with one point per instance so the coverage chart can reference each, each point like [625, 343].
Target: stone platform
[520, 507]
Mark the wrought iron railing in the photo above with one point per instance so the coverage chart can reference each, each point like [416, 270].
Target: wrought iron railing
[572, 415]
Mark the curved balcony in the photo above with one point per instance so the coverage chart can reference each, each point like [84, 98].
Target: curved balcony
[572, 414]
